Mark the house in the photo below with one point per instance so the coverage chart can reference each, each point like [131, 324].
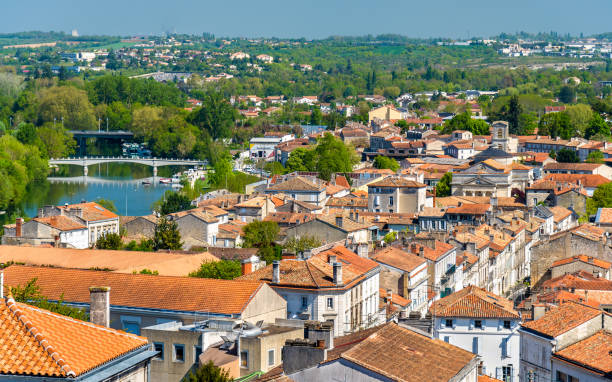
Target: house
[484, 324]
[254, 209]
[335, 285]
[59, 231]
[491, 178]
[265, 147]
[550, 333]
[404, 274]
[563, 218]
[603, 218]
[265, 58]
[598, 267]
[197, 227]
[138, 300]
[585, 360]
[306, 100]
[301, 189]
[441, 264]
[137, 227]
[387, 112]
[230, 234]
[396, 194]
[98, 220]
[587, 181]
[387, 353]
[579, 168]
[39, 345]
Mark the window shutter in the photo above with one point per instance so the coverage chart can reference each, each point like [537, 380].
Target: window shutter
[500, 324]
[504, 347]
[475, 345]
[471, 324]
[498, 373]
[442, 323]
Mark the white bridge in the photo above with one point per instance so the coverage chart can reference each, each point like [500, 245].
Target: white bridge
[153, 162]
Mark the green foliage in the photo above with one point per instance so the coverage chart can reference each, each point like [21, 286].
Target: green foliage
[297, 245]
[223, 269]
[145, 245]
[390, 237]
[112, 88]
[167, 235]
[146, 271]
[556, 125]
[567, 94]
[109, 240]
[602, 196]
[595, 157]
[464, 121]
[108, 204]
[597, 127]
[216, 116]
[174, 202]
[208, 373]
[274, 168]
[567, 156]
[261, 235]
[580, 117]
[30, 294]
[385, 162]
[527, 123]
[67, 103]
[443, 188]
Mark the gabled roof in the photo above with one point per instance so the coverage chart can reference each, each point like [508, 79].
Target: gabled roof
[587, 180]
[316, 272]
[348, 225]
[592, 352]
[559, 213]
[474, 302]
[403, 355]
[469, 209]
[399, 259]
[297, 183]
[397, 182]
[92, 211]
[60, 222]
[431, 254]
[36, 342]
[562, 319]
[572, 166]
[584, 259]
[186, 294]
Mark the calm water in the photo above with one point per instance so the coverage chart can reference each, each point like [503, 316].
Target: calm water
[119, 182]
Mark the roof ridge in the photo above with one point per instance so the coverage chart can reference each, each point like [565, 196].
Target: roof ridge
[38, 337]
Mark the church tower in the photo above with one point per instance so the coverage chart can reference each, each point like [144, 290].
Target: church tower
[500, 135]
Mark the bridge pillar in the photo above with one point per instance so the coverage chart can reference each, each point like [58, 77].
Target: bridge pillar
[85, 170]
[154, 170]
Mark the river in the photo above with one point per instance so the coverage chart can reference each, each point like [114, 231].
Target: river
[118, 182]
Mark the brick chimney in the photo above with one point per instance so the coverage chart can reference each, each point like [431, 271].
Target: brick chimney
[337, 273]
[246, 266]
[276, 271]
[99, 307]
[18, 224]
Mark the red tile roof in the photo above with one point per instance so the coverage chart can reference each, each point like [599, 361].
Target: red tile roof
[433, 254]
[399, 259]
[562, 319]
[189, 294]
[36, 342]
[60, 222]
[585, 259]
[593, 352]
[395, 181]
[474, 302]
[92, 211]
[587, 180]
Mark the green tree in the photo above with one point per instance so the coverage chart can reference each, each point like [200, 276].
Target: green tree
[69, 104]
[261, 235]
[216, 116]
[332, 155]
[512, 114]
[167, 235]
[109, 240]
[300, 159]
[223, 269]
[527, 122]
[208, 373]
[386, 162]
[464, 121]
[443, 188]
[174, 202]
[390, 237]
[108, 204]
[316, 117]
[274, 168]
[595, 157]
[146, 271]
[301, 244]
[55, 142]
[597, 127]
[567, 94]
[556, 125]
[30, 294]
[580, 116]
[567, 156]
[602, 198]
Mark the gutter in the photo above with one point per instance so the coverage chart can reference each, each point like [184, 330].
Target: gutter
[118, 365]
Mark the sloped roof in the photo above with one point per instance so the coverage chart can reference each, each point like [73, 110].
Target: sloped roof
[60, 222]
[474, 302]
[396, 181]
[187, 294]
[585, 259]
[562, 319]
[92, 211]
[432, 254]
[587, 180]
[297, 183]
[397, 258]
[592, 352]
[36, 342]
[403, 355]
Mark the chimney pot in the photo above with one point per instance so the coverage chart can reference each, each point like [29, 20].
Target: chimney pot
[246, 266]
[276, 271]
[99, 307]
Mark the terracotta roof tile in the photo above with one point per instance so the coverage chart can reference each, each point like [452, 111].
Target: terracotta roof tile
[432, 254]
[92, 211]
[592, 352]
[474, 302]
[585, 259]
[560, 213]
[399, 259]
[60, 222]
[559, 320]
[297, 183]
[587, 180]
[469, 209]
[189, 294]
[395, 298]
[395, 181]
[37, 342]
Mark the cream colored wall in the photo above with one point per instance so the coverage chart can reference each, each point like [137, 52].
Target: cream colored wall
[266, 305]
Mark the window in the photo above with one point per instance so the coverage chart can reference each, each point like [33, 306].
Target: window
[507, 325]
[449, 323]
[447, 339]
[159, 347]
[244, 359]
[478, 324]
[504, 347]
[179, 353]
[507, 373]
[131, 326]
[390, 200]
[330, 303]
[475, 345]
[304, 302]
[271, 357]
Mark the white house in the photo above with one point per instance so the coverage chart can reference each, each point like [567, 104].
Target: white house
[485, 324]
[335, 285]
[59, 231]
[265, 147]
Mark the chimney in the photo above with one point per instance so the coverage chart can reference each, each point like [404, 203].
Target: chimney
[421, 252]
[322, 332]
[389, 296]
[300, 354]
[99, 307]
[246, 266]
[18, 224]
[331, 259]
[276, 271]
[56, 241]
[537, 311]
[337, 273]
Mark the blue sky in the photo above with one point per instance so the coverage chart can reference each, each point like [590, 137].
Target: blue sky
[309, 18]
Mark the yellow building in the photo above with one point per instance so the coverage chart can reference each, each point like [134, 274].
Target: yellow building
[387, 112]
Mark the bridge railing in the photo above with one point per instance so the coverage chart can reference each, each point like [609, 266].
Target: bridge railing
[125, 159]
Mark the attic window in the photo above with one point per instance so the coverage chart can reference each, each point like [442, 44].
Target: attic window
[99, 208]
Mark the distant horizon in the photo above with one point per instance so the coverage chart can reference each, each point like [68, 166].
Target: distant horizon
[316, 19]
